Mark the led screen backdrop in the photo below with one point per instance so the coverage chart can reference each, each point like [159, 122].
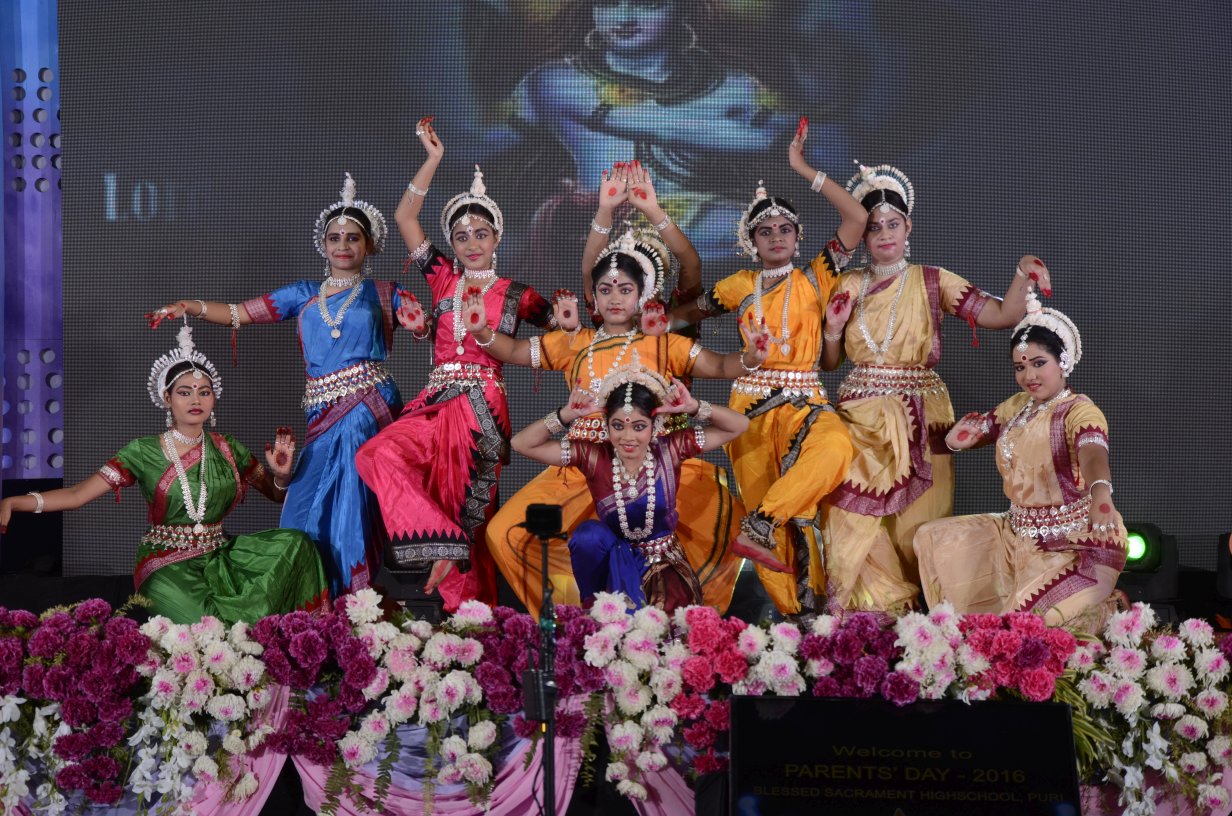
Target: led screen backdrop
[201, 141]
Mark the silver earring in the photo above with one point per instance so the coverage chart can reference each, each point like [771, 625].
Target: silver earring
[907, 248]
[213, 420]
[170, 422]
[494, 259]
[797, 252]
[328, 271]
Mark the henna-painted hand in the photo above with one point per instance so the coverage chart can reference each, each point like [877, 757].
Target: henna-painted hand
[966, 432]
[1104, 520]
[565, 309]
[838, 312]
[679, 400]
[613, 188]
[795, 151]
[427, 137]
[641, 190]
[474, 312]
[654, 318]
[582, 402]
[756, 341]
[411, 314]
[1037, 272]
[281, 455]
[169, 312]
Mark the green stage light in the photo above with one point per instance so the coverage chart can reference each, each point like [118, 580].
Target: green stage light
[1136, 547]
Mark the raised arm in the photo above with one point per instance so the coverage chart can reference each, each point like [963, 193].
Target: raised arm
[854, 217]
[725, 424]
[501, 346]
[63, 498]
[407, 214]
[535, 440]
[838, 312]
[714, 366]
[642, 197]
[613, 191]
[1004, 313]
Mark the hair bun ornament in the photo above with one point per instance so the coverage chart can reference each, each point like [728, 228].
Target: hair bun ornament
[884, 178]
[185, 351]
[634, 372]
[748, 222]
[348, 201]
[1058, 323]
[478, 195]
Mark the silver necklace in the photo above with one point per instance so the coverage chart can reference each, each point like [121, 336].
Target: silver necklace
[780, 341]
[196, 512]
[343, 283]
[889, 269]
[459, 331]
[335, 322]
[1028, 412]
[477, 273]
[602, 334]
[879, 351]
[186, 440]
[778, 271]
[623, 483]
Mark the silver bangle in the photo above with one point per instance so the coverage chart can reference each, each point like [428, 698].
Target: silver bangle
[491, 339]
[278, 486]
[664, 224]
[818, 181]
[746, 367]
[566, 451]
[838, 338]
[536, 361]
[951, 447]
[1091, 486]
[421, 251]
[38, 500]
[413, 190]
[704, 410]
[204, 309]
[595, 226]
[235, 315]
[554, 423]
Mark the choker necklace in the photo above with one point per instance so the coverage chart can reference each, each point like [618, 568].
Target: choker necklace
[889, 269]
[186, 440]
[477, 273]
[343, 283]
[778, 271]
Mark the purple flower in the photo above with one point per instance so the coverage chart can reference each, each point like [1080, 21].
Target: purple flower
[92, 611]
[506, 700]
[32, 680]
[321, 753]
[869, 672]
[22, 619]
[570, 724]
[308, 648]
[97, 685]
[115, 710]
[589, 678]
[58, 683]
[293, 623]
[864, 625]
[1225, 646]
[101, 767]
[77, 712]
[490, 675]
[900, 689]
[813, 647]
[1031, 654]
[106, 734]
[72, 746]
[107, 793]
[826, 687]
[72, 777]
[848, 645]
[523, 727]
[46, 643]
[520, 627]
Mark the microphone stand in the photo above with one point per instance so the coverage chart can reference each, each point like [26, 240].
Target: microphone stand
[539, 685]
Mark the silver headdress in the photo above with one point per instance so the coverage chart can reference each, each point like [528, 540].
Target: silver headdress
[644, 247]
[348, 201]
[478, 194]
[884, 178]
[633, 372]
[1056, 322]
[185, 352]
[748, 222]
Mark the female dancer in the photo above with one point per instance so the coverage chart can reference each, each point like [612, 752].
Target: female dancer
[435, 469]
[1061, 547]
[627, 274]
[186, 564]
[895, 406]
[796, 450]
[632, 477]
[345, 327]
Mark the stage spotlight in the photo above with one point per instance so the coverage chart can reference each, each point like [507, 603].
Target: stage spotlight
[1152, 569]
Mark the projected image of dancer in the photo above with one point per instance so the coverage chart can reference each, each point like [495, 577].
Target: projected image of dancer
[886, 318]
[435, 469]
[192, 478]
[796, 450]
[649, 80]
[626, 276]
[632, 477]
[1061, 547]
[345, 329]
